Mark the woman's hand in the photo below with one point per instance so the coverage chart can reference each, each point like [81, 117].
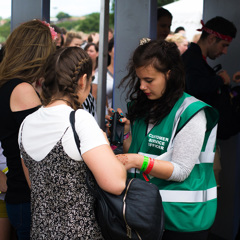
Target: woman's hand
[127, 136]
[226, 78]
[124, 120]
[161, 169]
[130, 160]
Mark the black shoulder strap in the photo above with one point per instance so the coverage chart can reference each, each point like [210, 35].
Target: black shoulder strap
[72, 121]
[77, 140]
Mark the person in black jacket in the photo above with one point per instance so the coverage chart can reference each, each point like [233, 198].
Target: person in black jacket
[209, 84]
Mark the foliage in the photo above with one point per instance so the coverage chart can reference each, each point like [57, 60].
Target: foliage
[62, 15]
[111, 20]
[90, 23]
[5, 30]
[112, 2]
[87, 25]
[69, 25]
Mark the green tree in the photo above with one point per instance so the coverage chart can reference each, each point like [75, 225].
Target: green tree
[90, 23]
[111, 20]
[112, 2]
[62, 15]
[69, 25]
[5, 30]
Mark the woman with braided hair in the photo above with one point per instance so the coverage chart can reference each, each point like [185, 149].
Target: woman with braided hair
[62, 207]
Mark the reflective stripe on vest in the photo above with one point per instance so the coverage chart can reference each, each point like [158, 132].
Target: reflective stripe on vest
[189, 196]
[187, 101]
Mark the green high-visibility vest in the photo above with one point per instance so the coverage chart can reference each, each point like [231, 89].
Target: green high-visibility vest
[189, 205]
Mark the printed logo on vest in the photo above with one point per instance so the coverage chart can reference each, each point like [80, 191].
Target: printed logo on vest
[157, 141]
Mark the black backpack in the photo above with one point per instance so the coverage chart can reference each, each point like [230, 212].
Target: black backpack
[135, 214]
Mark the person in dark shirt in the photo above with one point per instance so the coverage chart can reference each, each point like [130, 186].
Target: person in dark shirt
[164, 22]
[212, 85]
[206, 83]
[26, 51]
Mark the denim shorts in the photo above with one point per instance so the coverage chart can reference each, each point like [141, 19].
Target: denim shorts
[20, 217]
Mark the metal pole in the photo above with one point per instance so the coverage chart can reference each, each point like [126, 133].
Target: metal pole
[102, 62]
[46, 10]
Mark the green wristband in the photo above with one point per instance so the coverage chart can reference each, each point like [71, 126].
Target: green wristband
[145, 164]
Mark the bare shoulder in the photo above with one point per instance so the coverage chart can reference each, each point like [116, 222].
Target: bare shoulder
[24, 97]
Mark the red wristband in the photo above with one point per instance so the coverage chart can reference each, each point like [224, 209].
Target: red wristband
[126, 136]
[150, 166]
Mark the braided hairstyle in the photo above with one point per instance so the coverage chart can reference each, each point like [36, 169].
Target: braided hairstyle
[63, 70]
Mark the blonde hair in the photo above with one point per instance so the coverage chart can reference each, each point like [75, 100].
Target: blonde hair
[70, 36]
[26, 51]
[176, 38]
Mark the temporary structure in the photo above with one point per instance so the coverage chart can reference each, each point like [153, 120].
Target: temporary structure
[188, 14]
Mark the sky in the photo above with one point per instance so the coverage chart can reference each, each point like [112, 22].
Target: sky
[72, 7]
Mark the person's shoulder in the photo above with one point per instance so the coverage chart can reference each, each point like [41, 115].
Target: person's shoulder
[85, 120]
[24, 87]
[193, 47]
[24, 97]
[192, 54]
[82, 114]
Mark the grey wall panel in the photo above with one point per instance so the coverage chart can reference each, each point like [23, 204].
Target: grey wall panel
[228, 213]
[134, 19]
[25, 10]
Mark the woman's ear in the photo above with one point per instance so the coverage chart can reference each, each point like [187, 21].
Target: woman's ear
[168, 74]
[82, 81]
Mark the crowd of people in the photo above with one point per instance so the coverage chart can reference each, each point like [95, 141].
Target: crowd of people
[178, 107]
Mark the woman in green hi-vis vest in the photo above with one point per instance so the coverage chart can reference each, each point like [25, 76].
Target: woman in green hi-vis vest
[169, 139]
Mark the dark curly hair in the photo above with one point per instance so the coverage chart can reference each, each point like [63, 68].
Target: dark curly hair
[64, 68]
[163, 56]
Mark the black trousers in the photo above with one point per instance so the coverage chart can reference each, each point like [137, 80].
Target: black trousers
[171, 235]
